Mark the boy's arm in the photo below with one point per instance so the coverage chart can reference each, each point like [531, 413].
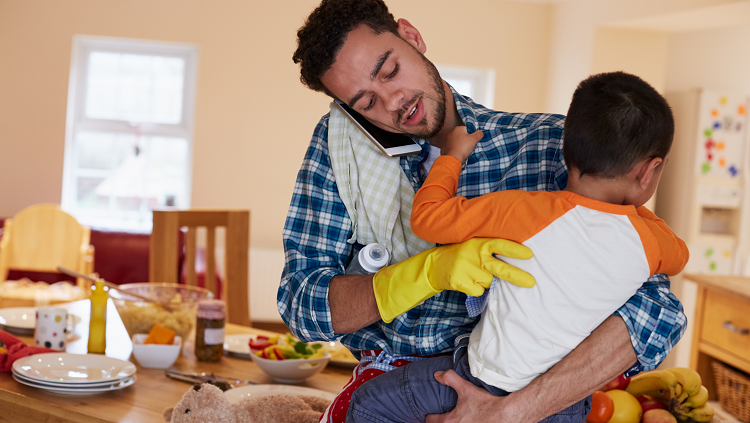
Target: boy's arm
[672, 252]
[438, 216]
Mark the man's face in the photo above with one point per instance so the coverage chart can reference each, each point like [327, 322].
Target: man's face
[387, 80]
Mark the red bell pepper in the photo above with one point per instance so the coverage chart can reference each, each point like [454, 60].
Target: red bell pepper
[258, 343]
[278, 354]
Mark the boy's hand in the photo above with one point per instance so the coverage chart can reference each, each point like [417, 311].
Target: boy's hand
[459, 143]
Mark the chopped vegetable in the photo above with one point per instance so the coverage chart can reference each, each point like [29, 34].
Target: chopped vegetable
[286, 348]
[261, 342]
[160, 335]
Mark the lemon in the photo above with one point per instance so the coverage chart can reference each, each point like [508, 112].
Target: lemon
[627, 408]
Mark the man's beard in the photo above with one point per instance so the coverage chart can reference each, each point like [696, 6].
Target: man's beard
[426, 132]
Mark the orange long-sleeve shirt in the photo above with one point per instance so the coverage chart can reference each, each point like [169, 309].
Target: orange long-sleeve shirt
[589, 258]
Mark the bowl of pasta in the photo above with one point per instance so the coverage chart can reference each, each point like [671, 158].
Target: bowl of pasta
[178, 311]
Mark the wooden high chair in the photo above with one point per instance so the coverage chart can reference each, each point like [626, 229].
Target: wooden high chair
[163, 255]
[42, 237]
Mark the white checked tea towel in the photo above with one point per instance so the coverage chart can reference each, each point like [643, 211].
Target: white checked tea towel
[377, 194]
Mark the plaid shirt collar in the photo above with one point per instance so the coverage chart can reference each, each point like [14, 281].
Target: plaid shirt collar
[411, 163]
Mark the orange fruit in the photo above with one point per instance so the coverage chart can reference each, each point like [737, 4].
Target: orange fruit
[602, 408]
[627, 408]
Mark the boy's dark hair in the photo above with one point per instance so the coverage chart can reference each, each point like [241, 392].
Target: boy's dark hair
[320, 39]
[615, 120]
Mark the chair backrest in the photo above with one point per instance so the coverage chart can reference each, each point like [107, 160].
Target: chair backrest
[164, 249]
[42, 237]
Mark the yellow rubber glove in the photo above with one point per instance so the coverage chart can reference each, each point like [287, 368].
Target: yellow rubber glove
[467, 267]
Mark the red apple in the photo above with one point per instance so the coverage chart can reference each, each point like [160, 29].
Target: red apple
[653, 405]
[620, 382]
[658, 416]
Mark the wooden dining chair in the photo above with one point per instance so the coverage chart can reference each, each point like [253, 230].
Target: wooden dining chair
[164, 251]
[42, 237]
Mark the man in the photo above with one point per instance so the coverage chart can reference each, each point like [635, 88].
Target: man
[354, 50]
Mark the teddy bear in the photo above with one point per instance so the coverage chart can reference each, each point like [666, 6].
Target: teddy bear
[205, 403]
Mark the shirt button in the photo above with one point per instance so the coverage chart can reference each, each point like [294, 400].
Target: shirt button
[425, 343]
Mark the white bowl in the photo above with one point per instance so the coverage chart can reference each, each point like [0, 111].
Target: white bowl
[155, 356]
[293, 370]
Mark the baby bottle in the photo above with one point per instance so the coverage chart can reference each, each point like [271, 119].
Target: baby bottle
[371, 258]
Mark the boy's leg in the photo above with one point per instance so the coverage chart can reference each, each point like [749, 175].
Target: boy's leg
[410, 393]
[576, 413]
[406, 394]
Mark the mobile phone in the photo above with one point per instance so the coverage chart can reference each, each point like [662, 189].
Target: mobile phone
[390, 143]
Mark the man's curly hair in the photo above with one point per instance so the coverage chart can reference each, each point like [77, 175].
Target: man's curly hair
[320, 39]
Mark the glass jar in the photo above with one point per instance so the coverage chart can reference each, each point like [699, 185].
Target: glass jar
[209, 330]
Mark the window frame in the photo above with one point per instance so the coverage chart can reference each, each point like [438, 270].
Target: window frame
[482, 80]
[77, 121]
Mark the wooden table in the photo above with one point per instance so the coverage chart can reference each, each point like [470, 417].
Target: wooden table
[142, 402]
[720, 326]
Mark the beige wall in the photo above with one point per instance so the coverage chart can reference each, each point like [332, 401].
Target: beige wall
[574, 35]
[717, 59]
[511, 37]
[640, 52]
[253, 117]
[246, 81]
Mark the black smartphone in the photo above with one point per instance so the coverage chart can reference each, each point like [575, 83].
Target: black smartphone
[390, 143]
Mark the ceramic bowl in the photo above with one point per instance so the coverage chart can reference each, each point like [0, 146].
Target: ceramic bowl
[293, 370]
[155, 356]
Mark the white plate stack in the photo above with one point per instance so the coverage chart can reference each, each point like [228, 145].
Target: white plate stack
[74, 374]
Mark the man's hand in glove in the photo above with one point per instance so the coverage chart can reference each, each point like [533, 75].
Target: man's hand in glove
[467, 267]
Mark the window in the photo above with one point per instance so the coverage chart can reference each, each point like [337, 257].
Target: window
[128, 144]
[479, 84]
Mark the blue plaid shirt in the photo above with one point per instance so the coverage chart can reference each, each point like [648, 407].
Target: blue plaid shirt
[518, 151]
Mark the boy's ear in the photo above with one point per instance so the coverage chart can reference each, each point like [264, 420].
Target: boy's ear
[645, 171]
[411, 35]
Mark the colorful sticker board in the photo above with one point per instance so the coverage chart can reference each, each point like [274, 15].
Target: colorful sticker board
[723, 120]
[711, 259]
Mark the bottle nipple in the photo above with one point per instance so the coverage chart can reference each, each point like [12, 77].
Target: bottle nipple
[377, 252]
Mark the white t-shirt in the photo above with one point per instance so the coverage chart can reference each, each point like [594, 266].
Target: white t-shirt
[433, 155]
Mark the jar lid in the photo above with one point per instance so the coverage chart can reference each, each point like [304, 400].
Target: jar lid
[211, 309]
[211, 304]
[216, 305]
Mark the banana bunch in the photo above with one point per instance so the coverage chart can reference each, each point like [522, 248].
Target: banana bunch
[679, 388]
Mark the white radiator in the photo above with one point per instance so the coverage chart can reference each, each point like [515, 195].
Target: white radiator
[266, 265]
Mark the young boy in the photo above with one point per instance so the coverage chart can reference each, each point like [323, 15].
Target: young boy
[594, 244]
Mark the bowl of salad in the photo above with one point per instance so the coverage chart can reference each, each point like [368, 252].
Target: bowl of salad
[286, 359]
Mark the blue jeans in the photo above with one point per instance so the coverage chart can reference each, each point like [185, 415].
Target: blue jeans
[410, 393]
